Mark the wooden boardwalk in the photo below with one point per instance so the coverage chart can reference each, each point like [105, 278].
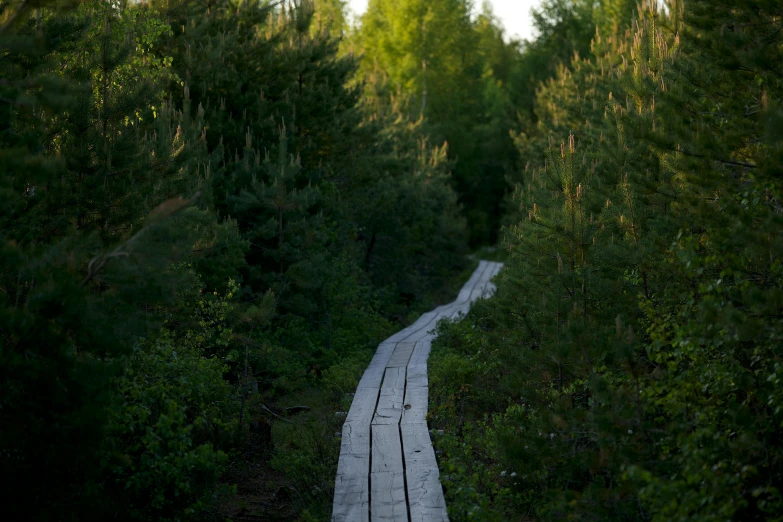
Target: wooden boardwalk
[387, 468]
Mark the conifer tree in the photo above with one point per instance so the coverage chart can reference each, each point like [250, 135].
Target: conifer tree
[434, 54]
[637, 310]
[89, 234]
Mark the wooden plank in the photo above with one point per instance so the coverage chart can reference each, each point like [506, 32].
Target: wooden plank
[363, 406]
[417, 376]
[386, 448]
[479, 281]
[352, 485]
[388, 496]
[415, 406]
[467, 288]
[490, 288]
[387, 478]
[372, 378]
[496, 269]
[426, 323]
[422, 321]
[425, 332]
[373, 375]
[461, 309]
[417, 446]
[401, 355]
[382, 354]
[355, 445]
[420, 513]
[351, 498]
[486, 283]
[389, 410]
[421, 352]
[470, 291]
[425, 494]
[483, 280]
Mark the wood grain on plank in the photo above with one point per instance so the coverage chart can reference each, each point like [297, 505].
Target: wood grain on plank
[402, 354]
[483, 280]
[351, 498]
[372, 378]
[352, 492]
[386, 448]
[417, 375]
[423, 327]
[363, 406]
[373, 375]
[420, 513]
[425, 495]
[387, 478]
[415, 408]
[417, 325]
[417, 446]
[392, 393]
[421, 353]
[388, 496]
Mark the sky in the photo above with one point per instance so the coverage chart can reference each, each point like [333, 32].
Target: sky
[514, 14]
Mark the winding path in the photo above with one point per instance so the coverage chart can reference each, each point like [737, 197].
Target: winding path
[387, 468]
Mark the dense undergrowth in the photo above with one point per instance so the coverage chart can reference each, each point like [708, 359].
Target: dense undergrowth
[629, 366]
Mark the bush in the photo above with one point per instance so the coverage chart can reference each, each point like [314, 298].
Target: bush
[172, 427]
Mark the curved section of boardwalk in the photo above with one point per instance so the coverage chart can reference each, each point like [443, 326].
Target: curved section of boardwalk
[387, 468]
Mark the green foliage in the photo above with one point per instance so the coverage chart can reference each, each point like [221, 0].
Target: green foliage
[635, 328]
[151, 154]
[429, 60]
[176, 411]
[307, 453]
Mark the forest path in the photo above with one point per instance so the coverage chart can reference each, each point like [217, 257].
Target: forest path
[387, 468]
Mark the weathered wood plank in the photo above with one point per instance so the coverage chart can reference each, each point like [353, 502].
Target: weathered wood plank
[351, 498]
[478, 290]
[496, 269]
[386, 448]
[421, 513]
[417, 376]
[425, 494]
[490, 288]
[373, 375]
[423, 326]
[415, 407]
[421, 353]
[417, 446]
[483, 280]
[363, 406]
[385, 348]
[401, 355]
[387, 478]
[388, 496]
[372, 378]
[403, 334]
[392, 393]
[352, 487]
[467, 288]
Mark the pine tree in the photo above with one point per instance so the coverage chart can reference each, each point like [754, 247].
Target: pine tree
[433, 54]
[89, 235]
[634, 320]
